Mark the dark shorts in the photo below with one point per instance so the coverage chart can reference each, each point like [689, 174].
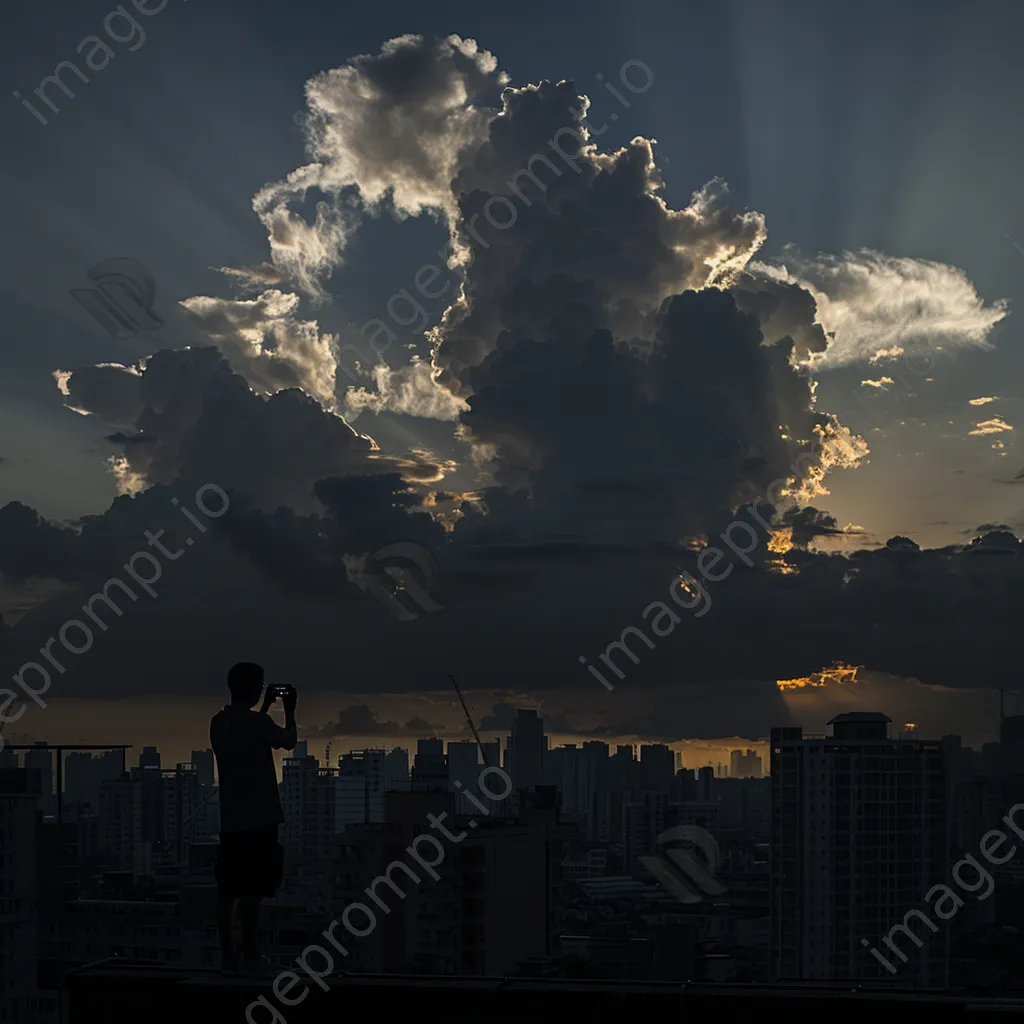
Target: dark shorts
[249, 863]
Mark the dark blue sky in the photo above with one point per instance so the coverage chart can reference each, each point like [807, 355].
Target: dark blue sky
[888, 125]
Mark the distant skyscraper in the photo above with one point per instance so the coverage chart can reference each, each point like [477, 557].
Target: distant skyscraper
[657, 766]
[572, 770]
[120, 824]
[527, 746]
[184, 820]
[623, 769]
[364, 779]
[706, 785]
[19, 791]
[309, 801]
[203, 762]
[149, 758]
[744, 765]
[463, 767]
[858, 839]
[1011, 745]
[42, 761]
[430, 766]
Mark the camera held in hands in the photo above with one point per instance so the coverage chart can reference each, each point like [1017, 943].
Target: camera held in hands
[281, 690]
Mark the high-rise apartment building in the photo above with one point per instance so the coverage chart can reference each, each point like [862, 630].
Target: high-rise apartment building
[491, 904]
[526, 748]
[120, 825]
[430, 766]
[41, 761]
[657, 766]
[19, 793]
[463, 768]
[203, 761]
[858, 838]
[84, 773]
[572, 771]
[149, 758]
[364, 777]
[745, 765]
[309, 802]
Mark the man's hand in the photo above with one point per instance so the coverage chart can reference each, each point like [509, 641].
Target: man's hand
[268, 700]
[288, 700]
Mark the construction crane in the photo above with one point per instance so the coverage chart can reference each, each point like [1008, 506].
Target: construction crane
[469, 719]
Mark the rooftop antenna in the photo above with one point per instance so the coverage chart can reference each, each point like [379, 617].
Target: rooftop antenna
[469, 719]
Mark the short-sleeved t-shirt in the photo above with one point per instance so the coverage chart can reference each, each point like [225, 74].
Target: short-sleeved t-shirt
[243, 741]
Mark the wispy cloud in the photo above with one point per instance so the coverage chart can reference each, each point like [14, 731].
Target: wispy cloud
[882, 382]
[983, 401]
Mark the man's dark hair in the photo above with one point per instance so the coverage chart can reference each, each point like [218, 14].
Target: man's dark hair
[245, 681]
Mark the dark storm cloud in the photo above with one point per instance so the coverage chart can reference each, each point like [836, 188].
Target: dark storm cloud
[32, 546]
[306, 554]
[126, 440]
[503, 714]
[421, 727]
[201, 419]
[987, 528]
[644, 445]
[784, 310]
[808, 523]
[360, 720]
[355, 720]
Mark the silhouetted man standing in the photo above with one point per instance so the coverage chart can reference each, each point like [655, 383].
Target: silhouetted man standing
[250, 859]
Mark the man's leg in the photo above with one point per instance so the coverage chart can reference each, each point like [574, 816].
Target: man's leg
[249, 913]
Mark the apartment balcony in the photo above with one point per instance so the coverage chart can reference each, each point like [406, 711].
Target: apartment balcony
[145, 994]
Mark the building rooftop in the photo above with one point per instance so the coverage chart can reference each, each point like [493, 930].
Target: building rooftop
[861, 716]
[130, 992]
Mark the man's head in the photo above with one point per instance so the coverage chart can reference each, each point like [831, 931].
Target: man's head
[245, 681]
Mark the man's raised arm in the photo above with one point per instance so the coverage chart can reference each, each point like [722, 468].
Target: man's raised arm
[281, 738]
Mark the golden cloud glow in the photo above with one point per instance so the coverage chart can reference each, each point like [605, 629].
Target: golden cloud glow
[982, 401]
[837, 673]
[996, 425]
[839, 448]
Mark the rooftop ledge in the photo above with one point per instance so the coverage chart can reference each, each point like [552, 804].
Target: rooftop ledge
[152, 994]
